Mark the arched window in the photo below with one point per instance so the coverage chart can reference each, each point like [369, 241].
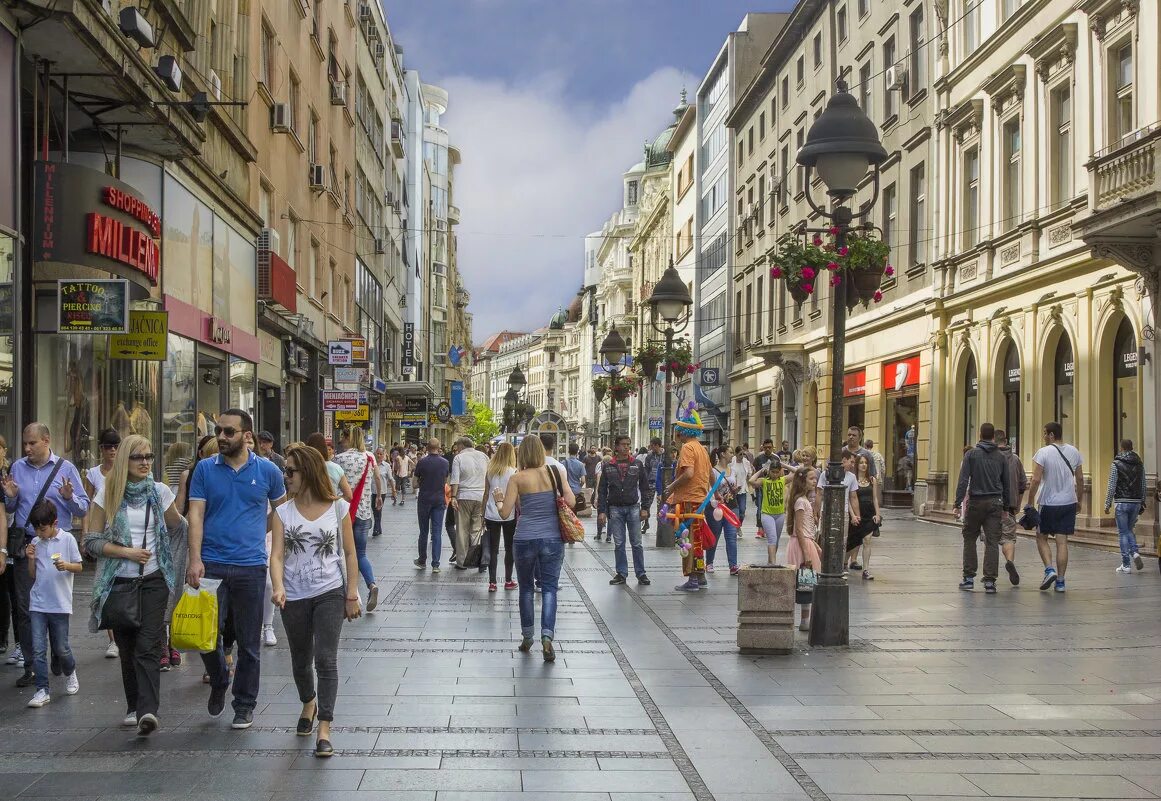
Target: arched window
[1125, 386]
[1010, 381]
[970, 401]
[1064, 369]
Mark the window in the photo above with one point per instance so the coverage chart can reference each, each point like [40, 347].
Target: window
[970, 26]
[292, 242]
[971, 197]
[1011, 174]
[312, 138]
[917, 233]
[631, 194]
[759, 295]
[334, 299]
[841, 23]
[713, 313]
[890, 96]
[785, 174]
[800, 72]
[890, 216]
[817, 50]
[749, 321]
[762, 126]
[333, 71]
[741, 151]
[714, 143]
[738, 320]
[265, 204]
[713, 258]
[761, 207]
[716, 91]
[1122, 112]
[863, 7]
[785, 91]
[918, 77]
[1061, 147]
[685, 237]
[685, 176]
[800, 173]
[1010, 7]
[292, 102]
[771, 305]
[865, 89]
[269, 48]
[714, 198]
[750, 141]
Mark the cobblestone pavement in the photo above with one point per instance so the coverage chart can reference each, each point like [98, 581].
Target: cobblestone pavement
[942, 694]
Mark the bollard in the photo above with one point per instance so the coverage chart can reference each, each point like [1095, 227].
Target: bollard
[766, 609]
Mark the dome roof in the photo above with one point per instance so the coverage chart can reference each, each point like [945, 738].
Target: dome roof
[558, 320]
[656, 152]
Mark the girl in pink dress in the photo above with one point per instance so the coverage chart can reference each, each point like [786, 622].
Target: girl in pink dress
[803, 550]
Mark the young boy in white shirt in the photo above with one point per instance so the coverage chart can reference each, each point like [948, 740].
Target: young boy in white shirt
[53, 558]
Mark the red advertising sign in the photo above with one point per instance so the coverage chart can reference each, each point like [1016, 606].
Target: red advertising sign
[855, 384]
[901, 373]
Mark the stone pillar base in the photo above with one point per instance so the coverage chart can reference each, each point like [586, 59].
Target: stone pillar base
[766, 609]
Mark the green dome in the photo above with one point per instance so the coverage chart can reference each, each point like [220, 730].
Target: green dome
[558, 320]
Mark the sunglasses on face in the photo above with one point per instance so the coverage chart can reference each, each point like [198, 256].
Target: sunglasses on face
[290, 472]
[138, 458]
[229, 431]
[108, 447]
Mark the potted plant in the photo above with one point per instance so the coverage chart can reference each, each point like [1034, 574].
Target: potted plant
[623, 385]
[866, 261]
[799, 263]
[862, 260]
[648, 356]
[600, 388]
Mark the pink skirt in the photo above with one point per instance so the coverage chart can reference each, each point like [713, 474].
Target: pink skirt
[795, 556]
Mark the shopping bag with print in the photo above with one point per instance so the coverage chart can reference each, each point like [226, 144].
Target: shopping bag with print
[194, 626]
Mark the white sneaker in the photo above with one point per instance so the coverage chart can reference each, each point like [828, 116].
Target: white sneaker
[72, 684]
[17, 656]
[40, 699]
[268, 636]
[112, 652]
[1124, 569]
[130, 720]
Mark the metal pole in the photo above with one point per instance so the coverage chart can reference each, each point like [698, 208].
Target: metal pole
[664, 537]
[612, 420]
[830, 618]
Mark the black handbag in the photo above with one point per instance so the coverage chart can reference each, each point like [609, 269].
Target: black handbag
[18, 534]
[122, 608]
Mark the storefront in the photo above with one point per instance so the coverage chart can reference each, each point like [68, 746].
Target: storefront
[854, 399]
[1125, 390]
[1011, 402]
[1064, 369]
[10, 253]
[900, 426]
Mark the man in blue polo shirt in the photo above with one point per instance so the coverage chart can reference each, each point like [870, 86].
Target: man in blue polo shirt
[230, 498]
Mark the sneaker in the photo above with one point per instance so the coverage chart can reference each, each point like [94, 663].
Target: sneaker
[217, 701]
[1049, 578]
[269, 639]
[1013, 576]
[509, 585]
[1060, 585]
[1124, 569]
[147, 725]
[735, 570]
[420, 563]
[164, 663]
[644, 580]
[491, 587]
[990, 587]
[372, 598]
[129, 720]
[617, 579]
[434, 568]
[701, 582]
[760, 535]
[174, 657]
[855, 566]
[243, 719]
[689, 586]
[709, 568]
[16, 657]
[968, 584]
[112, 652]
[26, 680]
[1138, 562]
[39, 699]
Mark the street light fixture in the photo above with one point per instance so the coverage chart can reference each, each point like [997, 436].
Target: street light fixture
[613, 351]
[842, 145]
[671, 305]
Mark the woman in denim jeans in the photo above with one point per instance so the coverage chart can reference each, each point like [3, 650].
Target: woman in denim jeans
[362, 474]
[539, 549]
[721, 461]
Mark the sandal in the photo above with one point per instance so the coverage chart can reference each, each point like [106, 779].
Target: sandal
[549, 654]
[526, 645]
[867, 576]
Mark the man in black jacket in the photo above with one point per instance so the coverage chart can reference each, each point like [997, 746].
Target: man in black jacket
[1127, 490]
[624, 494]
[983, 478]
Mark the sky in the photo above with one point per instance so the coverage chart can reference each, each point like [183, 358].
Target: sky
[550, 101]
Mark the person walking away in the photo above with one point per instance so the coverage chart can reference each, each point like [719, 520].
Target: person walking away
[92, 480]
[385, 483]
[770, 483]
[501, 467]
[726, 496]
[865, 528]
[880, 466]
[574, 468]
[539, 549]
[431, 474]
[802, 551]
[623, 496]
[689, 487]
[40, 475]
[265, 446]
[363, 474]
[738, 476]
[335, 473]
[983, 481]
[133, 544]
[52, 559]
[1017, 485]
[1126, 489]
[314, 567]
[229, 498]
[449, 517]
[1058, 481]
[468, 478]
[402, 468]
[606, 457]
[761, 461]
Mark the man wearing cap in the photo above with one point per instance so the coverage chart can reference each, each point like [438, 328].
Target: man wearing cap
[689, 488]
[266, 449]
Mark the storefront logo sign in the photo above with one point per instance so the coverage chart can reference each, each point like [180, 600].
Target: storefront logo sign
[93, 307]
[340, 352]
[408, 363]
[219, 331]
[902, 373]
[109, 238]
[359, 415]
[855, 384]
[147, 340]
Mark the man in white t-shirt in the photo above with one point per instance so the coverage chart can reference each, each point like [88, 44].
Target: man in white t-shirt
[467, 490]
[1059, 479]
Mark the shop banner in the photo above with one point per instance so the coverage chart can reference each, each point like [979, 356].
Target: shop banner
[359, 415]
[336, 401]
[340, 352]
[147, 340]
[901, 373]
[855, 384]
[350, 375]
[359, 350]
[459, 401]
[100, 306]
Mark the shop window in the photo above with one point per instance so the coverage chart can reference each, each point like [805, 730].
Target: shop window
[970, 402]
[179, 424]
[1010, 384]
[243, 375]
[1125, 406]
[8, 420]
[1064, 370]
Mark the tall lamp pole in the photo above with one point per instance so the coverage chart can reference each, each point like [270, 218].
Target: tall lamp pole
[516, 384]
[613, 351]
[842, 144]
[670, 304]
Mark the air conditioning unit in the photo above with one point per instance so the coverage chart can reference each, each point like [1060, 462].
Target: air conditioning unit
[338, 93]
[268, 240]
[317, 176]
[390, 198]
[280, 118]
[896, 77]
[380, 246]
[215, 85]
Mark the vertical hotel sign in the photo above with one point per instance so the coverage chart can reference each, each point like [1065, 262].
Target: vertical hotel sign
[408, 362]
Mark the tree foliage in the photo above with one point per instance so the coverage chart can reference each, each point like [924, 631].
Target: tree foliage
[481, 427]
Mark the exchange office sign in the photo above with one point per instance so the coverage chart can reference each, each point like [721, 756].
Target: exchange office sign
[83, 216]
[148, 337]
[93, 307]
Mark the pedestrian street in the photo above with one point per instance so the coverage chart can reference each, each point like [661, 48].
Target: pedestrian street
[942, 694]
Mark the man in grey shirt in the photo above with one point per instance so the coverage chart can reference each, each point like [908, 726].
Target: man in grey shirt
[467, 490]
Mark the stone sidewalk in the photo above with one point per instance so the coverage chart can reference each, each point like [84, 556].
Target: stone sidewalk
[942, 694]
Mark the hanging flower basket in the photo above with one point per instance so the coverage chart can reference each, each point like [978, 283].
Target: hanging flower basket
[858, 267]
[600, 388]
[652, 356]
[618, 387]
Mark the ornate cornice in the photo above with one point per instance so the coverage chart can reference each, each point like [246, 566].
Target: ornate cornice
[1006, 87]
[1054, 50]
[966, 118]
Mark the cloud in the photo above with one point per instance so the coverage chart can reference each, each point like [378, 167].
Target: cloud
[539, 172]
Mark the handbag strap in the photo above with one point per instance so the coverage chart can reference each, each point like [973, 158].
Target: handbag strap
[1071, 469]
[554, 477]
[144, 537]
[357, 495]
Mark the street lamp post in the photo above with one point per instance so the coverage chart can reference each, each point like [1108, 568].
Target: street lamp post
[842, 144]
[613, 351]
[671, 305]
[516, 384]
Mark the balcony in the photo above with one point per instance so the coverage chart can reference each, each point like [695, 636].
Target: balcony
[397, 139]
[1125, 202]
[453, 214]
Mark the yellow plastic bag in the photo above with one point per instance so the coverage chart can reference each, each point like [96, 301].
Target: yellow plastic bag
[194, 626]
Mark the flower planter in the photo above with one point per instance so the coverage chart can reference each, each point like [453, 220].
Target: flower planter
[798, 293]
[648, 369]
[866, 283]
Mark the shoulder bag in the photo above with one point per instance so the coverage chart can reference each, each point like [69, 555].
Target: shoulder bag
[18, 532]
[571, 528]
[1071, 469]
[805, 580]
[122, 608]
[357, 495]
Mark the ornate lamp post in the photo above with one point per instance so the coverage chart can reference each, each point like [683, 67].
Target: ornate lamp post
[671, 306]
[516, 384]
[842, 145]
[613, 351]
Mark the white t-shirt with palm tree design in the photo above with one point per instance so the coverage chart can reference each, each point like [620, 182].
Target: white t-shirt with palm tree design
[313, 557]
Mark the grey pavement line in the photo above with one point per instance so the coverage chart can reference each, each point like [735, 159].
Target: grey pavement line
[396, 595]
[685, 766]
[505, 650]
[498, 753]
[934, 756]
[966, 732]
[505, 640]
[578, 730]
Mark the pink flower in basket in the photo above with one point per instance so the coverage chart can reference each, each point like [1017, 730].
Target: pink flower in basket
[877, 296]
[808, 273]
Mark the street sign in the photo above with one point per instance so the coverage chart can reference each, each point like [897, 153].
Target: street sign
[336, 401]
[360, 415]
[443, 411]
[351, 375]
[147, 340]
[359, 349]
[656, 424]
[710, 377]
[413, 423]
[340, 352]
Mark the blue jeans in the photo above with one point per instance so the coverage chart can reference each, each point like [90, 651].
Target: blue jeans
[362, 529]
[757, 507]
[741, 505]
[431, 526]
[722, 528]
[55, 625]
[241, 596]
[1127, 514]
[546, 557]
[622, 519]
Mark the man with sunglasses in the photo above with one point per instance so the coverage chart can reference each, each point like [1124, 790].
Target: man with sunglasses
[230, 498]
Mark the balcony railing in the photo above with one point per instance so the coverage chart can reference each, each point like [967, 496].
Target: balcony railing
[1127, 169]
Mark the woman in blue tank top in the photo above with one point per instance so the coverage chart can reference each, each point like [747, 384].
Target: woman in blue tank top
[537, 540]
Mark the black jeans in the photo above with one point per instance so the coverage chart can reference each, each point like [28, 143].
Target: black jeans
[240, 599]
[449, 525]
[141, 648]
[8, 605]
[492, 531]
[23, 583]
[986, 513]
[312, 628]
[376, 515]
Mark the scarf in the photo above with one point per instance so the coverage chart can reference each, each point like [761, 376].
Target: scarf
[137, 495]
